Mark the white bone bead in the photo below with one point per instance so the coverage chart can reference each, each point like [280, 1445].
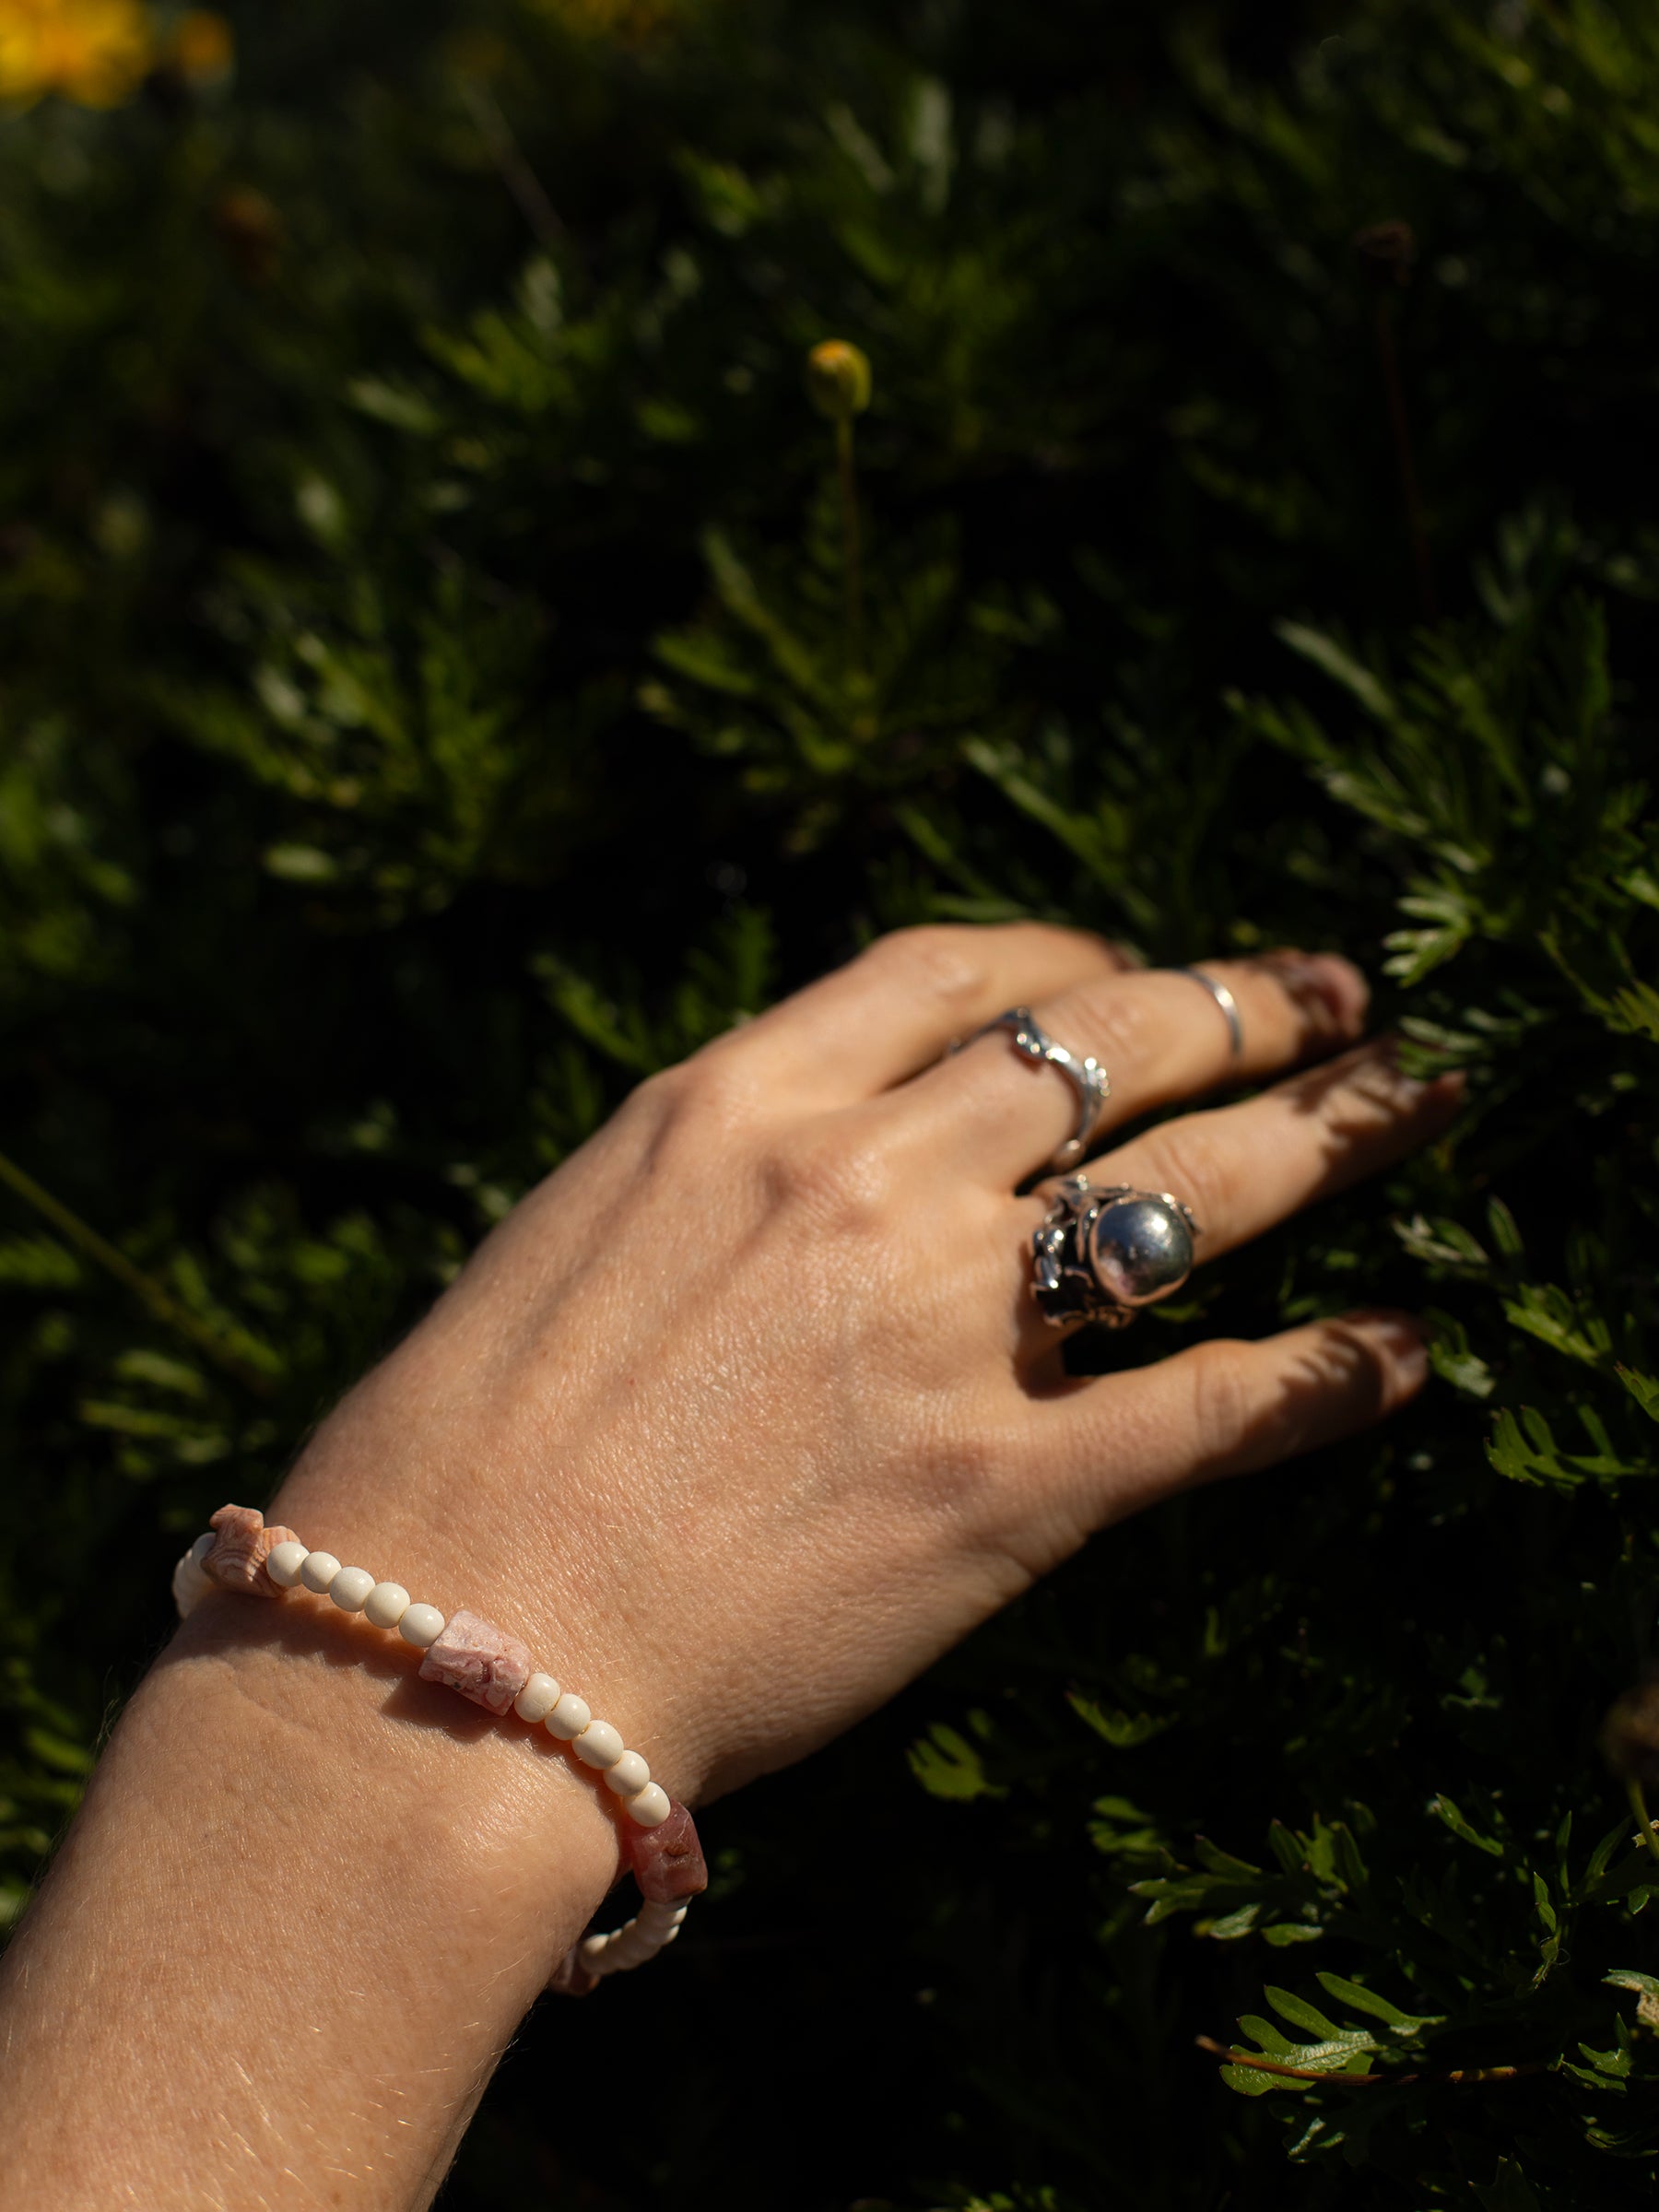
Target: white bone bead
[649, 1807]
[629, 1776]
[604, 1953]
[386, 1605]
[190, 1585]
[319, 1570]
[569, 1717]
[283, 1563]
[421, 1626]
[600, 1745]
[537, 1698]
[350, 1587]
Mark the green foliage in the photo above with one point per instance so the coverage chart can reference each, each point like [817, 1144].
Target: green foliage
[431, 697]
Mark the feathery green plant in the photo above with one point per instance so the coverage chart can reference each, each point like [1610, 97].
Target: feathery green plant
[441, 681]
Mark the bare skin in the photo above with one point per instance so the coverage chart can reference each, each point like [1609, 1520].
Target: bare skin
[739, 1420]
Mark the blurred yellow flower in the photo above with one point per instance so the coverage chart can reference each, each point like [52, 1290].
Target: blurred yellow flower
[96, 51]
[200, 48]
[838, 380]
[624, 20]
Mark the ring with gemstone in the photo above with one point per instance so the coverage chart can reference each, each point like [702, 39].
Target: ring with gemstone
[1088, 1078]
[1104, 1252]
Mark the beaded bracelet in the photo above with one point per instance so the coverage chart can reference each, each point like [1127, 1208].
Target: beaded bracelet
[468, 1654]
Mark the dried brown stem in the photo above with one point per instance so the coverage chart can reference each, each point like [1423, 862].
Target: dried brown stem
[165, 1308]
[1458, 2075]
[514, 171]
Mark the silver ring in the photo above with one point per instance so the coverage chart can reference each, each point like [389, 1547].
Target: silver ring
[1102, 1254]
[1087, 1077]
[1226, 1001]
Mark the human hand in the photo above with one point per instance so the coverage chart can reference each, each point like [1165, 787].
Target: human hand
[746, 1413]
[740, 1418]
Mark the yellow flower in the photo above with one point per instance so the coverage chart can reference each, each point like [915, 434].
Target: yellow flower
[200, 48]
[838, 380]
[96, 51]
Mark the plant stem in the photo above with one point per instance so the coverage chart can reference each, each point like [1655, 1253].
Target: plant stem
[514, 171]
[1459, 2076]
[1410, 496]
[852, 564]
[1639, 1807]
[144, 1287]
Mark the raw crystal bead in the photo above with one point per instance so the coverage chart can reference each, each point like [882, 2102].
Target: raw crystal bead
[479, 1660]
[667, 1859]
[238, 1557]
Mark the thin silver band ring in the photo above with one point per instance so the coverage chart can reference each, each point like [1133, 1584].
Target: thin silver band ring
[1228, 1003]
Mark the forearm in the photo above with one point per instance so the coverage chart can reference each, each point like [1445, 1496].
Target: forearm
[305, 1905]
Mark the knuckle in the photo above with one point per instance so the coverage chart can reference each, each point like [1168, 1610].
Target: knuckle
[845, 1184]
[1106, 1018]
[705, 1104]
[1220, 1400]
[944, 960]
[1194, 1165]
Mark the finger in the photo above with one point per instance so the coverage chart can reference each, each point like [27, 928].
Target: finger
[1158, 1033]
[1241, 1168]
[906, 1000]
[1122, 1442]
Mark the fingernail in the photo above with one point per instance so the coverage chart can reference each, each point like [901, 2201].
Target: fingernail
[1443, 1093]
[1327, 983]
[1399, 1342]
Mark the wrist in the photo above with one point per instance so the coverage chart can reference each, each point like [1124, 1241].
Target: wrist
[459, 1813]
[377, 1488]
[298, 1920]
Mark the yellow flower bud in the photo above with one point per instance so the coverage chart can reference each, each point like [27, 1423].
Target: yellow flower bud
[203, 47]
[838, 380]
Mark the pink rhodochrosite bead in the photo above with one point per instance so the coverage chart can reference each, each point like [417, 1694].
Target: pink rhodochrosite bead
[238, 1557]
[667, 1859]
[479, 1660]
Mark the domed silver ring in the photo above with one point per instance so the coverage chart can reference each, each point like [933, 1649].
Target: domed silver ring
[1088, 1078]
[1102, 1253]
